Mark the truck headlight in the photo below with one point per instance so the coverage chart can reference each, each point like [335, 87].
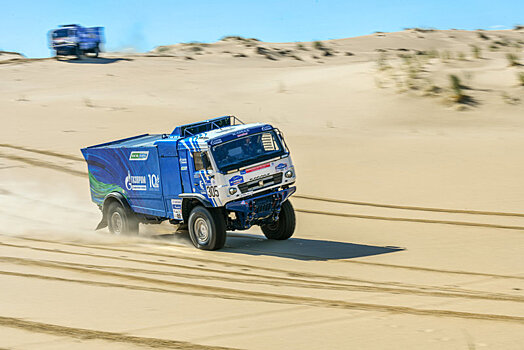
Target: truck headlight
[289, 173]
[232, 190]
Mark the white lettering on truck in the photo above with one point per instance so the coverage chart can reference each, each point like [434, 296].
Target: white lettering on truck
[139, 182]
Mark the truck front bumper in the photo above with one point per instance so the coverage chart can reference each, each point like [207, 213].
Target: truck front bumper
[65, 49]
[257, 210]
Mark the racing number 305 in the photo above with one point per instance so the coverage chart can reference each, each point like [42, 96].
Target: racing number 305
[212, 191]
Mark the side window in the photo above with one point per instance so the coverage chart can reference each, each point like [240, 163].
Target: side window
[201, 161]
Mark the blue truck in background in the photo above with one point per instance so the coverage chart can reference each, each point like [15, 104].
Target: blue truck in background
[73, 39]
[211, 176]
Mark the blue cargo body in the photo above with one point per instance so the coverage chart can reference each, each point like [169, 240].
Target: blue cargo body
[241, 174]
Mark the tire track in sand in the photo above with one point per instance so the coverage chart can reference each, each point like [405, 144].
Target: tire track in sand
[233, 294]
[52, 166]
[305, 196]
[42, 164]
[91, 334]
[425, 221]
[339, 281]
[271, 280]
[271, 269]
[44, 152]
[406, 207]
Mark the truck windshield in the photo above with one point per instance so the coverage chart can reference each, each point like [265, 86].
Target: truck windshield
[247, 150]
[60, 33]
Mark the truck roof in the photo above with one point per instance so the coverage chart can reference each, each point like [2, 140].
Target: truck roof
[204, 140]
[216, 133]
[144, 140]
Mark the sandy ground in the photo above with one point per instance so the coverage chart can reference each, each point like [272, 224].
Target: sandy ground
[425, 247]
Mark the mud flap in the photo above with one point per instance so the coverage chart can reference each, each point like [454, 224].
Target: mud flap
[102, 223]
[113, 195]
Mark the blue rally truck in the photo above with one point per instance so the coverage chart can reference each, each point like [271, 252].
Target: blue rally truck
[210, 176]
[73, 39]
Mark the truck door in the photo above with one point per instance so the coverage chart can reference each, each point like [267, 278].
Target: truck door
[197, 174]
[202, 175]
[184, 160]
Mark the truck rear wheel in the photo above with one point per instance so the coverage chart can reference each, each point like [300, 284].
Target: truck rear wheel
[284, 227]
[121, 221]
[207, 228]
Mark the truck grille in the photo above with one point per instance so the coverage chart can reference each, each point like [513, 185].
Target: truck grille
[263, 205]
[258, 184]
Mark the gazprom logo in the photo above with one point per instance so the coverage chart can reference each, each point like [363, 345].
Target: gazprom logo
[139, 155]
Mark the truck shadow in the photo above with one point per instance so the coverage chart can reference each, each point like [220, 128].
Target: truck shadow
[92, 60]
[293, 248]
[301, 249]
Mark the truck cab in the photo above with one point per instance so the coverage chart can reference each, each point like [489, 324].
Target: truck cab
[73, 39]
[211, 176]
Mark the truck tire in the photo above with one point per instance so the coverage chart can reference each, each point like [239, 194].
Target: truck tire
[121, 221]
[207, 228]
[78, 52]
[284, 227]
[96, 51]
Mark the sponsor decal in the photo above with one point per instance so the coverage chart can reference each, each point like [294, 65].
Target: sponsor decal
[154, 181]
[183, 168]
[259, 177]
[281, 167]
[266, 127]
[258, 167]
[140, 182]
[212, 191]
[183, 161]
[235, 180]
[135, 183]
[139, 155]
[176, 205]
[216, 141]
[240, 133]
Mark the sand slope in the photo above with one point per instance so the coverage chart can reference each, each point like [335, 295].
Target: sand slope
[409, 206]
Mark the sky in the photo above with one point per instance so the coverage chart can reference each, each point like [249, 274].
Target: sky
[136, 25]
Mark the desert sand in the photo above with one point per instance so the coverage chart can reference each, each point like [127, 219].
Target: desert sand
[410, 201]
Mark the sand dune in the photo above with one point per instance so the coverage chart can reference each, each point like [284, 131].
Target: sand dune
[410, 209]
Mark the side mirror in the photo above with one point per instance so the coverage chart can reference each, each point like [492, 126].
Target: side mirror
[281, 137]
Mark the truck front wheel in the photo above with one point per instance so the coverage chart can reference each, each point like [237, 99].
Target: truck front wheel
[121, 221]
[284, 227]
[78, 52]
[207, 228]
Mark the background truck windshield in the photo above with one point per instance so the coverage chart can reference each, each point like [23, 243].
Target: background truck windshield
[61, 33]
[247, 150]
